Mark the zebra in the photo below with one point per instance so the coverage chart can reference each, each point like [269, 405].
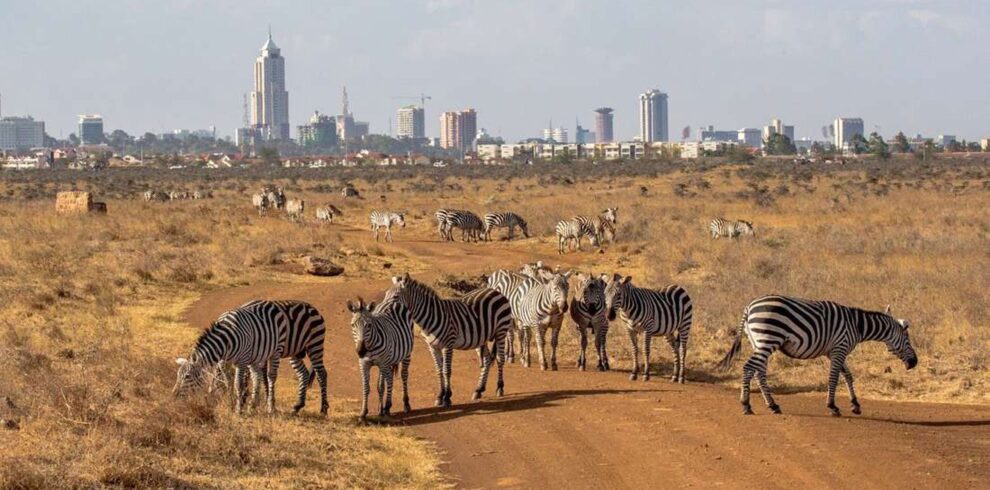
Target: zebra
[470, 224]
[276, 198]
[261, 202]
[539, 305]
[383, 337]
[385, 219]
[588, 312]
[327, 213]
[178, 195]
[156, 196]
[603, 224]
[724, 228]
[302, 333]
[504, 220]
[806, 329]
[477, 318]
[573, 230]
[441, 217]
[667, 311]
[295, 209]
[507, 283]
[537, 270]
[349, 191]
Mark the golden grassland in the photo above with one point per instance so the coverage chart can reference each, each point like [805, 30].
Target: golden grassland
[91, 305]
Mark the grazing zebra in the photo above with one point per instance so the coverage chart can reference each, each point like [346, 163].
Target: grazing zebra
[327, 213]
[178, 195]
[252, 336]
[441, 216]
[385, 219]
[721, 227]
[261, 202]
[480, 317]
[667, 311]
[589, 313]
[470, 224]
[349, 191]
[572, 231]
[276, 198]
[603, 224]
[539, 305]
[156, 196]
[295, 209]
[383, 337]
[806, 329]
[537, 270]
[504, 220]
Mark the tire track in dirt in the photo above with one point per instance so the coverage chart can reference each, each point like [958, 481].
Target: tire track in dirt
[593, 430]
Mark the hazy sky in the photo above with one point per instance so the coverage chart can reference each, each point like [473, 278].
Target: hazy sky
[917, 66]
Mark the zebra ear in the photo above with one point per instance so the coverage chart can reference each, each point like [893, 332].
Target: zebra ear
[406, 277]
[395, 279]
[539, 264]
[360, 303]
[182, 361]
[625, 280]
[350, 306]
[887, 310]
[371, 306]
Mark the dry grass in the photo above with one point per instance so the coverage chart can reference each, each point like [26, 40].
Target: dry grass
[91, 304]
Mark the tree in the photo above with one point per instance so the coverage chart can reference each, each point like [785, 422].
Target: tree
[926, 151]
[73, 139]
[779, 144]
[736, 153]
[858, 144]
[269, 156]
[901, 144]
[878, 147]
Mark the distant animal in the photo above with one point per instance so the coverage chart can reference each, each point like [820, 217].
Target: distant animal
[261, 202]
[385, 219]
[504, 220]
[200, 194]
[724, 228]
[441, 217]
[666, 312]
[571, 231]
[276, 198]
[349, 191]
[470, 224]
[178, 195]
[806, 329]
[327, 213]
[249, 337]
[156, 196]
[480, 317]
[295, 209]
[382, 198]
[589, 313]
[383, 337]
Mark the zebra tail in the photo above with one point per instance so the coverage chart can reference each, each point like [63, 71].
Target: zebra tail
[726, 361]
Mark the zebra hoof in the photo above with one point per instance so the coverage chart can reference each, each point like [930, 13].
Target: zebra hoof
[776, 409]
[543, 367]
[324, 409]
[673, 379]
[476, 395]
[553, 367]
[439, 401]
[601, 368]
[835, 411]
[406, 407]
[499, 392]
[857, 410]
[747, 409]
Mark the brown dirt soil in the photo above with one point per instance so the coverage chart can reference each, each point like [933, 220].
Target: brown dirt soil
[572, 429]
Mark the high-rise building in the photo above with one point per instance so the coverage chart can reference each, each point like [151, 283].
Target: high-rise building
[21, 133]
[777, 126]
[844, 129]
[583, 136]
[603, 125]
[750, 137]
[557, 135]
[91, 129]
[653, 116]
[270, 100]
[321, 131]
[458, 129]
[412, 122]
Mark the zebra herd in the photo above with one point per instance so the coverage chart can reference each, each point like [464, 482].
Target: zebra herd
[257, 335]
[596, 228]
[163, 196]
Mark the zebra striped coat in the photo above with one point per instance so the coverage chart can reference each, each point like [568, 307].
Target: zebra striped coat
[295, 209]
[504, 220]
[572, 231]
[327, 213]
[383, 337]
[589, 313]
[540, 305]
[470, 224]
[276, 198]
[724, 228]
[304, 338]
[261, 202]
[385, 219]
[806, 329]
[664, 312]
[480, 317]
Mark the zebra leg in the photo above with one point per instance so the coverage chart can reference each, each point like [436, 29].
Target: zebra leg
[582, 360]
[316, 360]
[499, 355]
[847, 374]
[510, 345]
[272, 375]
[256, 375]
[448, 361]
[483, 378]
[647, 342]
[838, 360]
[601, 334]
[554, 340]
[541, 339]
[381, 388]
[375, 228]
[388, 234]
[389, 379]
[761, 376]
[482, 354]
[304, 377]
[405, 384]
[682, 355]
[240, 388]
[675, 343]
[365, 386]
[525, 336]
[635, 347]
[438, 363]
[747, 379]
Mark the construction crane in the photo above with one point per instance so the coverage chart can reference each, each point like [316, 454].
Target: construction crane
[421, 97]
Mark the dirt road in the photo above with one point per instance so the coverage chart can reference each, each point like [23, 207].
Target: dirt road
[572, 429]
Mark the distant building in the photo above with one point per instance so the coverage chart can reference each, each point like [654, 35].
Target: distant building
[270, 100]
[844, 129]
[709, 133]
[21, 133]
[777, 126]
[653, 116]
[458, 129]
[583, 136]
[412, 122]
[361, 129]
[91, 129]
[751, 137]
[321, 131]
[556, 135]
[945, 140]
[603, 125]
[985, 144]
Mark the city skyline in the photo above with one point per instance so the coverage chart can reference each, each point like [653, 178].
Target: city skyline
[768, 60]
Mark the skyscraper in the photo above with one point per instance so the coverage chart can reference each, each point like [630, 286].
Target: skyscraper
[603, 125]
[91, 129]
[270, 100]
[412, 122]
[845, 128]
[21, 133]
[469, 128]
[653, 116]
[458, 129]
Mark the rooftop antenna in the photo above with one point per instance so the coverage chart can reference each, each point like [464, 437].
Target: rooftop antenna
[269, 30]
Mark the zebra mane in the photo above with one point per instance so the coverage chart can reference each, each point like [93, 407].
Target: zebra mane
[211, 332]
